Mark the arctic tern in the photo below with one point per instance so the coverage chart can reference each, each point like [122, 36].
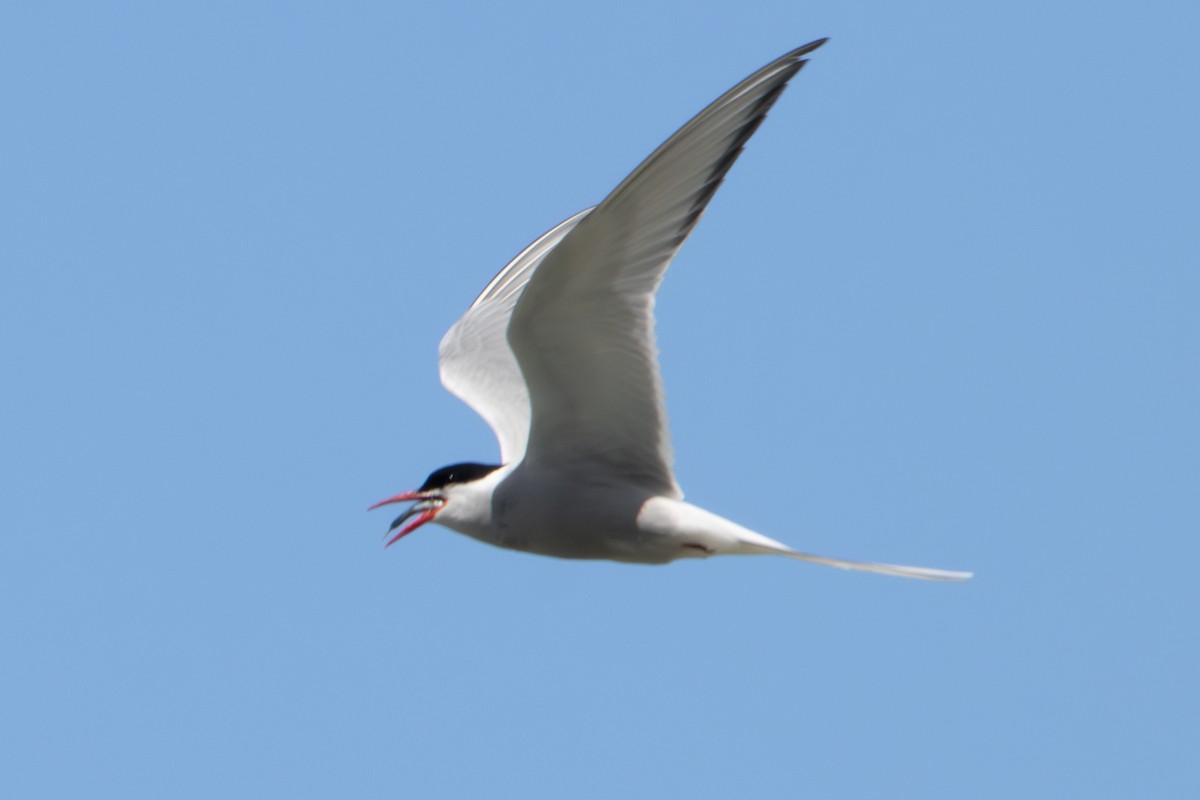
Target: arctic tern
[558, 356]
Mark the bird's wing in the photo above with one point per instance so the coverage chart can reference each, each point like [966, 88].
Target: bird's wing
[475, 361]
[583, 331]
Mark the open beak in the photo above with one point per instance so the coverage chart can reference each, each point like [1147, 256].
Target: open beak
[427, 507]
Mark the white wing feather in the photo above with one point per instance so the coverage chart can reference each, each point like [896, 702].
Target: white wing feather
[583, 330]
[474, 358]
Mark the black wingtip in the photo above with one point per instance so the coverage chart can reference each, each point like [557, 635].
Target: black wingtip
[805, 49]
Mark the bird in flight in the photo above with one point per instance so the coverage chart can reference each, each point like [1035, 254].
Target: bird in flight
[558, 356]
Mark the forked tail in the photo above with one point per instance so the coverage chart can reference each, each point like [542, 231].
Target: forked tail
[920, 573]
[751, 542]
[698, 530]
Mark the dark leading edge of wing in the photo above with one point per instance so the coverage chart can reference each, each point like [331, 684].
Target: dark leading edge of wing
[772, 80]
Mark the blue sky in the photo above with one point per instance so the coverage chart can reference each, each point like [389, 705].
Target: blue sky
[943, 312]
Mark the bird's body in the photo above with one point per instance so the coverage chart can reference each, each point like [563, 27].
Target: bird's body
[558, 355]
[570, 516]
[552, 514]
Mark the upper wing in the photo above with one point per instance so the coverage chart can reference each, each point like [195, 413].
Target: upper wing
[475, 361]
[583, 331]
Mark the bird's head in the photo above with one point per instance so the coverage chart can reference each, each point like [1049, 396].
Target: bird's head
[435, 494]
